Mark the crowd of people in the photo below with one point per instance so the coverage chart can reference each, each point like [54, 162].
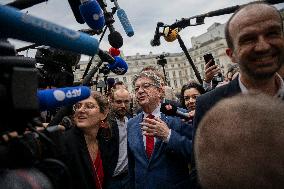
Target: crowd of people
[232, 136]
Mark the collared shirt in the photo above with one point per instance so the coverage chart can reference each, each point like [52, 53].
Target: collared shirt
[279, 94]
[156, 113]
[122, 162]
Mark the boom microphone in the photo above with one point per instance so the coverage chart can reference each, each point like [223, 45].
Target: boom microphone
[92, 13]
[114, 38]
[170, 35]
[171, 110]
[156, 41]
[52, 98]
[121, 14]
[18, 25]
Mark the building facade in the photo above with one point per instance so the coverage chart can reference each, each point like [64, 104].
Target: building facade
[178, 70]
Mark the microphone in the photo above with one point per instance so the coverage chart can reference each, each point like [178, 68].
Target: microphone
[23, 4]
[170, 34]
[274, 1]
[121, 14]
[114, 51]
[116, 64]
[119, 67]
[156, 41]
[92, 14]
[114, 38]
[171, 110]
[74, 4]
[18, 25]
[52, 98]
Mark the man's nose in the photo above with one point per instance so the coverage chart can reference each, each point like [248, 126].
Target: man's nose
[262, 44]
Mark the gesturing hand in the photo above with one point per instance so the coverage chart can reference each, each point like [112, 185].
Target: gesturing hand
[155, 127]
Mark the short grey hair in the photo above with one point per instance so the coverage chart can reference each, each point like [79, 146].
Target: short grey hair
[148, 74]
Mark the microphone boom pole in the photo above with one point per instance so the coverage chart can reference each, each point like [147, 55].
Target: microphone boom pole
[183, 47]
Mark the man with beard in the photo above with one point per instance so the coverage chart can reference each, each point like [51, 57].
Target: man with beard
[117, 176]
[255, 40]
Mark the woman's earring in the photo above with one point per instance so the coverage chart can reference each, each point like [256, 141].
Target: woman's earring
[104, 124]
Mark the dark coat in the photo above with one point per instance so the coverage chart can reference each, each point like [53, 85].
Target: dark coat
[78, 160]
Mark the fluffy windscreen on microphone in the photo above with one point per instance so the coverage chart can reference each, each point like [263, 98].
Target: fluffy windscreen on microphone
[114, 52]
[168, 109]
[115, 39]
[170, 34]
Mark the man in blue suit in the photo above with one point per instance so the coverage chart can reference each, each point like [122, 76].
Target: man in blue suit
[159, 147]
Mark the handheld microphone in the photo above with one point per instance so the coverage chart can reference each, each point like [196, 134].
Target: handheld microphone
[18, 25]
[118, 67]
[156, 41]
[116, 64]
[23, 4]
[114, 38]
[52, 98]
[170, 35]
[74, 4]
[114, 51]
[92, 13]
[171, 110]
[121, 14]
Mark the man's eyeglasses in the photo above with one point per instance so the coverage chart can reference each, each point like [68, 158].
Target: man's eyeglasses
[143, 86]
[87, 106]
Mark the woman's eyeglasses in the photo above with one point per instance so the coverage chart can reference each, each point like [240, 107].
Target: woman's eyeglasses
[87, 106]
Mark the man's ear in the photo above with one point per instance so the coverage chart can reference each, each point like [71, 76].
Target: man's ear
[231, 55]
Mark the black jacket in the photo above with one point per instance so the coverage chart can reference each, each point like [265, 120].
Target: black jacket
[78, 160]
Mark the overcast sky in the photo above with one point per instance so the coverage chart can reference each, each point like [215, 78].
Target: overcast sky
[143, 15]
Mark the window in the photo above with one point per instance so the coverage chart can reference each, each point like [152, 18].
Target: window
[124, 80]
[202, 67]
[179, 73]
[185, 72]
[172, 65]
[174, 73]
[167, 73]
[217, 61]
[181, 82]
[175, 83]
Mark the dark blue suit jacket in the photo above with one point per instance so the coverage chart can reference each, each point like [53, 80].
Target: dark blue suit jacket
[168, 166]
[206, 101]
[203, 104]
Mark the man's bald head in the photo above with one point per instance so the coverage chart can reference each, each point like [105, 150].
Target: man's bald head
[239, 144]
[242, 13]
